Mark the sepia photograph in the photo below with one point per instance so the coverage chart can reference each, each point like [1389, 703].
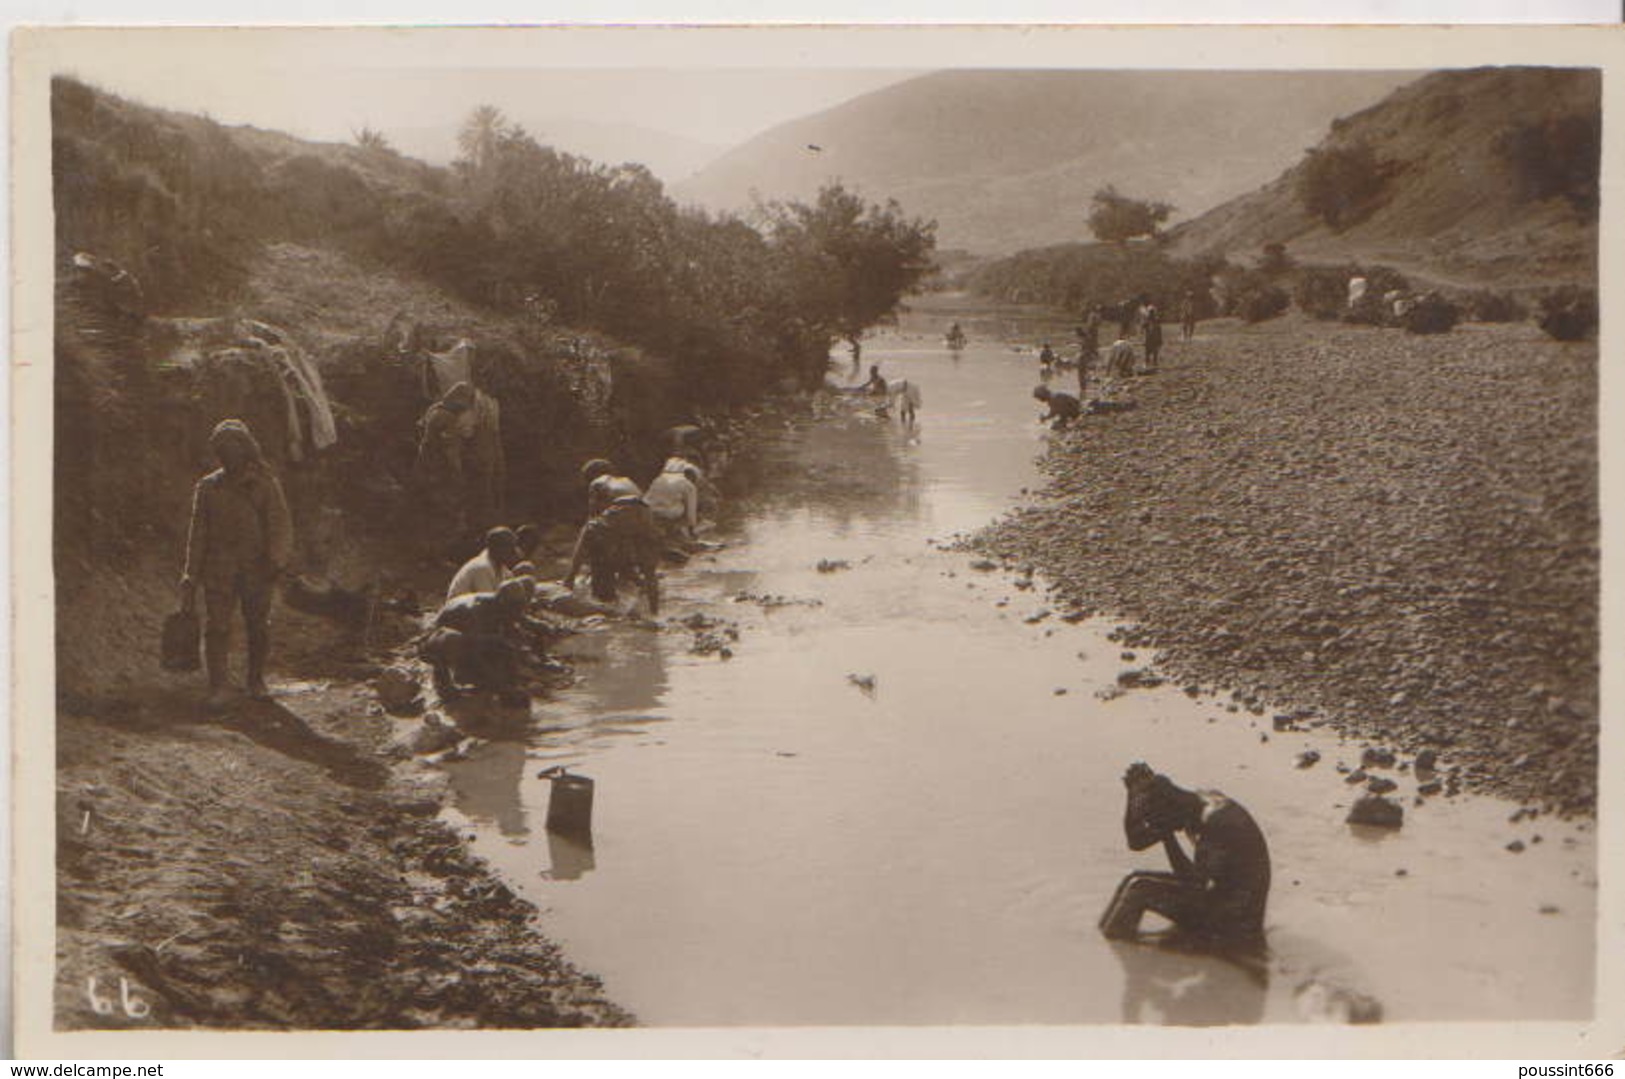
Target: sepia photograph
[654, 529]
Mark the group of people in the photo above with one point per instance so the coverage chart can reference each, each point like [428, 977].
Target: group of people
[1137, 318]
[902, 392]
[240, 544]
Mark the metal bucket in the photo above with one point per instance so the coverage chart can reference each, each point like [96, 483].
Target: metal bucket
[569, 806]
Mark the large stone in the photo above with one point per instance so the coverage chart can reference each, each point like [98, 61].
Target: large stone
[1375, 811]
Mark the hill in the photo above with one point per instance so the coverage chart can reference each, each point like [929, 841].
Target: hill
[1007, 159]
[1490, 178]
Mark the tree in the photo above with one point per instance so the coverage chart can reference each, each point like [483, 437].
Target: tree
[848, 263]
[480, 136]
[371, 139]
[1115, 218]
[1557, 156]
[1339, 184]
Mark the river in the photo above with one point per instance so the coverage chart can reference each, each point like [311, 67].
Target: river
[776, 843]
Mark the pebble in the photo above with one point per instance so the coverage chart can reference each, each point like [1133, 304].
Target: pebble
[1377, 758]
[1307, 758]
[1516, 846]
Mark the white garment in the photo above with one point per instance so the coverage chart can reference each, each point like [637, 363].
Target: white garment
[452, 366]
[478, 574]
[672, 496]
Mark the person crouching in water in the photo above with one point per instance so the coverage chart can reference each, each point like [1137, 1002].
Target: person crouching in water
[620, 545]
[1063, 407]
[238, 544]
[604, 485]
[486, 571]
[470, 645]
[1218, 893]
[674, 500]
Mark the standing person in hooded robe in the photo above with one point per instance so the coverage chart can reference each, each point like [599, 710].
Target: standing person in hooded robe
[486, 466]
[441, 469]
[238, 543]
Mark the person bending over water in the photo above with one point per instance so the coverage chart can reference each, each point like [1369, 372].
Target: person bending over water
[1218, 892]
[1063, 407]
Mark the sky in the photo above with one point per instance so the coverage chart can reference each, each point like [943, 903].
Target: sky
[323, 90]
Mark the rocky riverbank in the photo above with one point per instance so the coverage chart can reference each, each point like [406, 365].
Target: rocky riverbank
[1393, 534]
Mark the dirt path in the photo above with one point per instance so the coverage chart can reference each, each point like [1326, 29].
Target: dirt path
[1400, 531]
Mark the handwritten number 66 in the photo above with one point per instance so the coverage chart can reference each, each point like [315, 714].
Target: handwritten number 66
[134, 1006]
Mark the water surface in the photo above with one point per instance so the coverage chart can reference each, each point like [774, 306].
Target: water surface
[776, 844]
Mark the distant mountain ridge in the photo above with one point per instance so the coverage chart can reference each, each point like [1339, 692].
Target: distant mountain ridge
[1455, 207]
[1008, 159]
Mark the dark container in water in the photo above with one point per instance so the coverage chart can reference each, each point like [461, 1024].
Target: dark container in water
[569, 806]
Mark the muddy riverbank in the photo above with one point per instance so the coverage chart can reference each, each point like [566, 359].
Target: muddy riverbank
[289, 865]
[282, 867]
[1397, 533]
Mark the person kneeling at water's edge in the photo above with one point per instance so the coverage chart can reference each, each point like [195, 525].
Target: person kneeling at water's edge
[1219, 892]
[1063, 407]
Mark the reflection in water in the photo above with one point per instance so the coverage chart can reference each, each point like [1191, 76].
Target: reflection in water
[627, 672]
[750, 824]
[486, 787]
[1166, 980]
[570, 859]
[845, 467]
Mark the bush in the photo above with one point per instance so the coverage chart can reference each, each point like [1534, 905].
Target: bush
[1078, 276]
[1262, 302]
[1339, 185]
[1322, 293]
[1374, 309]
[1558, 157]
[1486, 305]
[1569, 313]
[1116, 218]
[1431, 314]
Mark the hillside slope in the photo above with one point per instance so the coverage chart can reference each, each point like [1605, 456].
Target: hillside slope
[1456, 206]
[1008, 159]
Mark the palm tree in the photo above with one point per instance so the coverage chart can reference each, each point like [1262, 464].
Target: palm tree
[481, 133]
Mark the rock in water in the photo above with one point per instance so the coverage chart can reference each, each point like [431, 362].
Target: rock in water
[433, 736]
[398, 690]
[1377, 812]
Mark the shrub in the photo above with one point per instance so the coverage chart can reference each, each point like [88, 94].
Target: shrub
[1262, 302]
[1116, 218]
[1486, 305]
[1569, 313]
[1274, 261]
[1431, 314]
[1321, 292]
[1339, 185]
[1557, 157]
